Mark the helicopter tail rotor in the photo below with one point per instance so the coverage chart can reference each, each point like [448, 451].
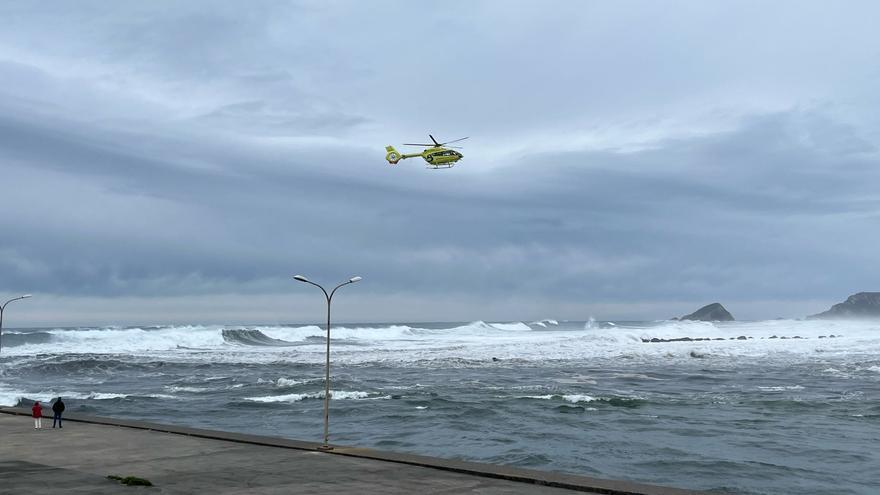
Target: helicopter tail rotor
[392, 155]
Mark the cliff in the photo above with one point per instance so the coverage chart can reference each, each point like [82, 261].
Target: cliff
[861, 305]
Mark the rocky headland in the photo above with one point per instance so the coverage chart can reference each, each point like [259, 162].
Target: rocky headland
[861, 305]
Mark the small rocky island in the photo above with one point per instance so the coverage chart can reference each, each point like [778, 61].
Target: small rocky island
[861, 305]
[710, 312]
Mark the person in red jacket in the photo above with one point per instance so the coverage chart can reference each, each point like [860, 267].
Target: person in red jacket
[37, 411]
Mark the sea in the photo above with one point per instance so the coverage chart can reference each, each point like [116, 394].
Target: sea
[759, 407]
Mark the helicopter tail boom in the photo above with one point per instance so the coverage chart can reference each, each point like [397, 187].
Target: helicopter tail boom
[393, 156]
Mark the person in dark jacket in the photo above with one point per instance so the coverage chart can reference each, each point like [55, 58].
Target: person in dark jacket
[37, 413]
[57, 408]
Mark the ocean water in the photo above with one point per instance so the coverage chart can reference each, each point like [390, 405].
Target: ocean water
[742, 413]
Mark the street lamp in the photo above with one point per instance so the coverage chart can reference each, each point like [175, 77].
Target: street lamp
[352, 280]
[1, 315]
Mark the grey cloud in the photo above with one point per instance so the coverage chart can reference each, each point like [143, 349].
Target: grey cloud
[606, 233]
[259, 118]
[173, 152]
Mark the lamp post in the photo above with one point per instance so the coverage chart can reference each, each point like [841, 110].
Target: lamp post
[1, 315]
[329, 298]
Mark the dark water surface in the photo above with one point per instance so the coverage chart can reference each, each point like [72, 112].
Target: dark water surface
[755, 415]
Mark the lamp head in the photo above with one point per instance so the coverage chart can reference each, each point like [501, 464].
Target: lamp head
[300, 278]
[25, 296]
[354, 279]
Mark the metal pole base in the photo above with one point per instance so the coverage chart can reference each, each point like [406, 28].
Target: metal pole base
[325, 447]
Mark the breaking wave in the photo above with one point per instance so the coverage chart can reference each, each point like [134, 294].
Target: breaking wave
[545, 323]
[510, 327]
[10, 397]
[477, 343]
[252, 337]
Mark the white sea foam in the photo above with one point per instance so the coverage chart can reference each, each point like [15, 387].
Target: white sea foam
[299, 334]
[124, 340]
[287, 382]
[102, 396]
[781, 388]
[174, 388]
[45, 396]
[334, 395]
[511, 327]
[10, 397]
[477, 342]
[79, 395]
[279, 398]
[575, 398]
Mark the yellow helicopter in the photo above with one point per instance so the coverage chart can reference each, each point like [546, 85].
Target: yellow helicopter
[438, 155]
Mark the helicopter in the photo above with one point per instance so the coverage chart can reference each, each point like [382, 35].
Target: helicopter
[438, 155]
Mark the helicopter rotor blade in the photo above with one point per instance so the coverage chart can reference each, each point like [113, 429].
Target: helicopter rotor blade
[454, 141]
[417, 144]
[435, 141]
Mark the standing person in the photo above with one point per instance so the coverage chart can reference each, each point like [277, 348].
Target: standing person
[37, 411]
[57, 408]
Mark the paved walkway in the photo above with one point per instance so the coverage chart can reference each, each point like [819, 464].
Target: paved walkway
[78, 458]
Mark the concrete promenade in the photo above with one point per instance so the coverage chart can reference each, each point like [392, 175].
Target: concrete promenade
[175, 459]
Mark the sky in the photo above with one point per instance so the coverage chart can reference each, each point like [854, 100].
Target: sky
[178, 162]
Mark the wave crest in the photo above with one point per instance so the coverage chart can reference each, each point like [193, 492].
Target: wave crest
[252, 337]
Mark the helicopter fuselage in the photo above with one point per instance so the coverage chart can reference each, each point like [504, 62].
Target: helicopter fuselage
[441, 156]
[436, 157]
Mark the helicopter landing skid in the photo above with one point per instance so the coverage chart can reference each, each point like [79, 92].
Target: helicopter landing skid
[437, 167]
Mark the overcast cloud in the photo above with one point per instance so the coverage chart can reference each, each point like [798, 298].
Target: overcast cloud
[180, 161]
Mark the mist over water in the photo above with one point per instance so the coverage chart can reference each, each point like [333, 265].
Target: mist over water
[781, 407]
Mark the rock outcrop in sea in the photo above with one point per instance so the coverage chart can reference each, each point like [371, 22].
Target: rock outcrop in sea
[861, 305]
[710, 312]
